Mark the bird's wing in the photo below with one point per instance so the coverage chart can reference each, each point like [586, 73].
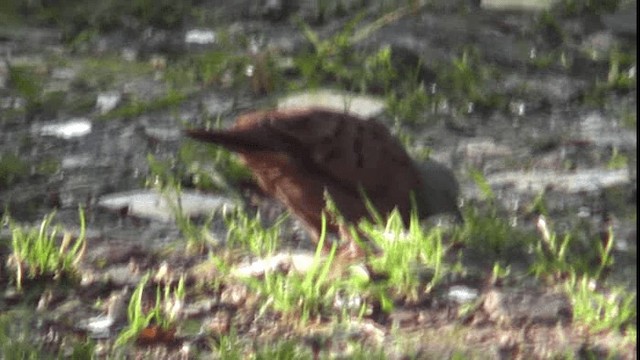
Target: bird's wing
[356, 152]
[316, 149]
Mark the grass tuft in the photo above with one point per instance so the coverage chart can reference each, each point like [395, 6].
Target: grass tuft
[36, 252]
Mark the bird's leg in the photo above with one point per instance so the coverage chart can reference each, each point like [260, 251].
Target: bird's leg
[350, 248]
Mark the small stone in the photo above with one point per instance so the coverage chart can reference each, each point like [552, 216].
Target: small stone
[73, 128]
[462, 294]
[121, 275]
[234, 295]
[200, 36]
[204, 272]
[219, 324]
[519, 306]
[198, 308]
[402, 317]
[108, 101]
[352, 103]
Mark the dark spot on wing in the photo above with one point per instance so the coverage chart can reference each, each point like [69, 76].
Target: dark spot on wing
[327, 140]
[297, 123]
[376, 134]
[357, 146]
[338, 129]
[332, 155]
[400, 160]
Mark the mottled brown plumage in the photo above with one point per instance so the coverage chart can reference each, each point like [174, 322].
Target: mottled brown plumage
[296, 155]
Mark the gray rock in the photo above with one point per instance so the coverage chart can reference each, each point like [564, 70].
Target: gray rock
[512, 307]
[624, 21]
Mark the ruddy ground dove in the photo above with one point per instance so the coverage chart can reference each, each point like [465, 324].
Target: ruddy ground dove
[297, 155]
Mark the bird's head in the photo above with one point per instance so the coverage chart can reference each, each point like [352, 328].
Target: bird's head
[439, 192]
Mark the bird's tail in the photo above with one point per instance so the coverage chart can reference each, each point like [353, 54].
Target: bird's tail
[238, 140]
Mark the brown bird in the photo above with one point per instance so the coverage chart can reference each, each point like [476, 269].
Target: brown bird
[297, 155]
